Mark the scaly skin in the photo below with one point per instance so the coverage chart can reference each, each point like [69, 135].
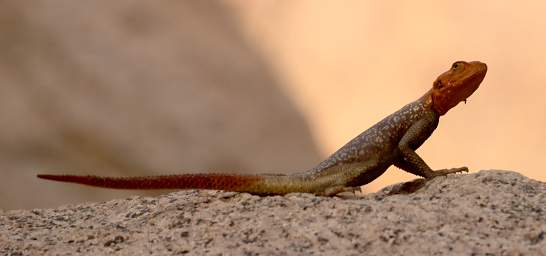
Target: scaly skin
[392, 141]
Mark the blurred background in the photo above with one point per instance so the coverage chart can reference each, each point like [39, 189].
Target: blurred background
[140, 87]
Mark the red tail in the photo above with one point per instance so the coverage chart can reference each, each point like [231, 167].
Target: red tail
[229, 182]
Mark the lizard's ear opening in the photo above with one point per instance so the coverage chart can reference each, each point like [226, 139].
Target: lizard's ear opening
[438, 84]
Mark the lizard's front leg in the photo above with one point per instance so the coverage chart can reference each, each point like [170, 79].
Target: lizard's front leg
[420, 168]
[410, 161]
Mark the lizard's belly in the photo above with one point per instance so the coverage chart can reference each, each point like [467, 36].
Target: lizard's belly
[381, 164]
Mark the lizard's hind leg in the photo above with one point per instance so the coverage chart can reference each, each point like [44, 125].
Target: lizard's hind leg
[332, 191]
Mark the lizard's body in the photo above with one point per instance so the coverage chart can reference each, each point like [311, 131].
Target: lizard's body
[392, 141]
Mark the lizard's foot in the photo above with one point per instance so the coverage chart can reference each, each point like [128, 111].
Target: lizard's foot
[332, 191]
[444, 172]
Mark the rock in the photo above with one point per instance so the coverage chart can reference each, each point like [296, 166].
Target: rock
[489, 212]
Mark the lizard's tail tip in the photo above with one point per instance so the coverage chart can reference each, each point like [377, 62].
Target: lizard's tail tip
[43, 176]
[51, 177]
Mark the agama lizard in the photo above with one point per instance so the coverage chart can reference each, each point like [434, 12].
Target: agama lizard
[392, 141]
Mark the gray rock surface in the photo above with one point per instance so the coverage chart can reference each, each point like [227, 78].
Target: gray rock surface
[489, 212]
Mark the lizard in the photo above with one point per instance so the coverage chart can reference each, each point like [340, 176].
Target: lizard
[392, 141]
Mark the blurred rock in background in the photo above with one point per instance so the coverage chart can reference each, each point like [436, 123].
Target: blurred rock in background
[135, 88]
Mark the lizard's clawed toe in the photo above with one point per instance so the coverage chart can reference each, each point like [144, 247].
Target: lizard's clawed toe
[445, 172]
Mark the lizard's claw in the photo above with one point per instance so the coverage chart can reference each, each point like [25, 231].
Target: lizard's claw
[444, 172]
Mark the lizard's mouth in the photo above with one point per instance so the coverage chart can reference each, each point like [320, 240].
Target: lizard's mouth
[472, 83]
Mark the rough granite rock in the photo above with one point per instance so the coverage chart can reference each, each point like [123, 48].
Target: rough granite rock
[489, 212]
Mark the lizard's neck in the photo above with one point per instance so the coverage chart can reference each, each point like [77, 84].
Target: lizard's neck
[426, 100]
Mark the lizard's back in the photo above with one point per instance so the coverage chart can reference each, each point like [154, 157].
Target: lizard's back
[379, 142]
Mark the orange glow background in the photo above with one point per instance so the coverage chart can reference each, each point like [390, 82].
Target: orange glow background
[349, 64]
[338, 66]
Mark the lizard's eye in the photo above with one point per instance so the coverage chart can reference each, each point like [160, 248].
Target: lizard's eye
[457, 65]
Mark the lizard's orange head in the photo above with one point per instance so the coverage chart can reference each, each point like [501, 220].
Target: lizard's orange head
[457, 84]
